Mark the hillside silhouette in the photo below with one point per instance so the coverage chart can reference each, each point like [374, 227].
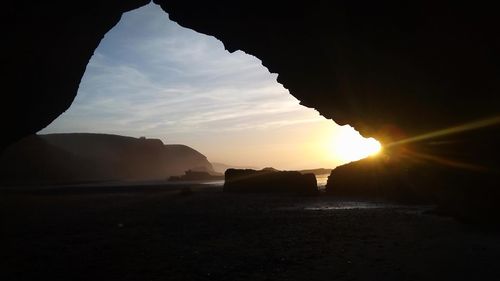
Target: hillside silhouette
[76, 157]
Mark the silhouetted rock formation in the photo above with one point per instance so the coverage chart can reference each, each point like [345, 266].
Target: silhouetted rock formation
[33, 160]
[84, 157]
[460, 193]
[197, 176]
[372, 177]
[269, 180]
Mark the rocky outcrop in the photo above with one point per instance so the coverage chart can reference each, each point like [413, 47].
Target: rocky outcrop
[33, 160]
[466, 194]
[373, 177]
[91, 157]
[269, 180]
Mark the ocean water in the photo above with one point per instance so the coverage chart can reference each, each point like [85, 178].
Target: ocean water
[214, 183]
[320, 179]
[342, 204]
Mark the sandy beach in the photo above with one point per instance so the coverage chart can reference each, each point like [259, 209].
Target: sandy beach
[166, 233]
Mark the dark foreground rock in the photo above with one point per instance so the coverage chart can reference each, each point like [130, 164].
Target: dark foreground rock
[467, 194]
[371, 177]
[269, 180]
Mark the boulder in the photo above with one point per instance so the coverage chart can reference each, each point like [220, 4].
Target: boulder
[269, 180]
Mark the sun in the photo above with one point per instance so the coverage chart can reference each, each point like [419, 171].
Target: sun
[348, 145]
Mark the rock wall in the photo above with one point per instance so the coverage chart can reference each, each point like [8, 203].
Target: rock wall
[46, 48]
[415, 66]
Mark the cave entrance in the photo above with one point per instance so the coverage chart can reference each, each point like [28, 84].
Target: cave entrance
[151, 77]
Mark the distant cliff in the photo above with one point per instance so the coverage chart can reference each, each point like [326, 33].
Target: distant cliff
[95, 157]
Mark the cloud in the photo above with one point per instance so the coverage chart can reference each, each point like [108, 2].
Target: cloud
[151, 77]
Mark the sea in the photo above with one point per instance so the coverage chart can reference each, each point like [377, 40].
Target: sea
[320, 179]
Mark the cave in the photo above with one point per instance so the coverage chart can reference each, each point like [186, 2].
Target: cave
[420, 77]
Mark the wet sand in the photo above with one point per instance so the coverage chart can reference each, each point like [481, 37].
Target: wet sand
[165, 233]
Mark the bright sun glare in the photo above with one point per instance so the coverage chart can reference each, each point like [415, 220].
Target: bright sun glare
[348, 145]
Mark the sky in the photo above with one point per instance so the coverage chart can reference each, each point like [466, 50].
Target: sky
[151, 77]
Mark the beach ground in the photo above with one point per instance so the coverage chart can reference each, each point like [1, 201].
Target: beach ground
[201, 233]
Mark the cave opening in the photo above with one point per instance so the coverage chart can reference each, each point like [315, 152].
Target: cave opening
[421, 78]
[152, 78]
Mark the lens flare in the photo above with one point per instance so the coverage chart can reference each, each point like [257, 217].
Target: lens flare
[450, 131]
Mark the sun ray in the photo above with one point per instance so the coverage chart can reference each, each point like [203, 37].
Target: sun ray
[424, 157]
[449, 131]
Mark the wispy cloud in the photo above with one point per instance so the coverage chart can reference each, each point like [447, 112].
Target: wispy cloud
[151, 77]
